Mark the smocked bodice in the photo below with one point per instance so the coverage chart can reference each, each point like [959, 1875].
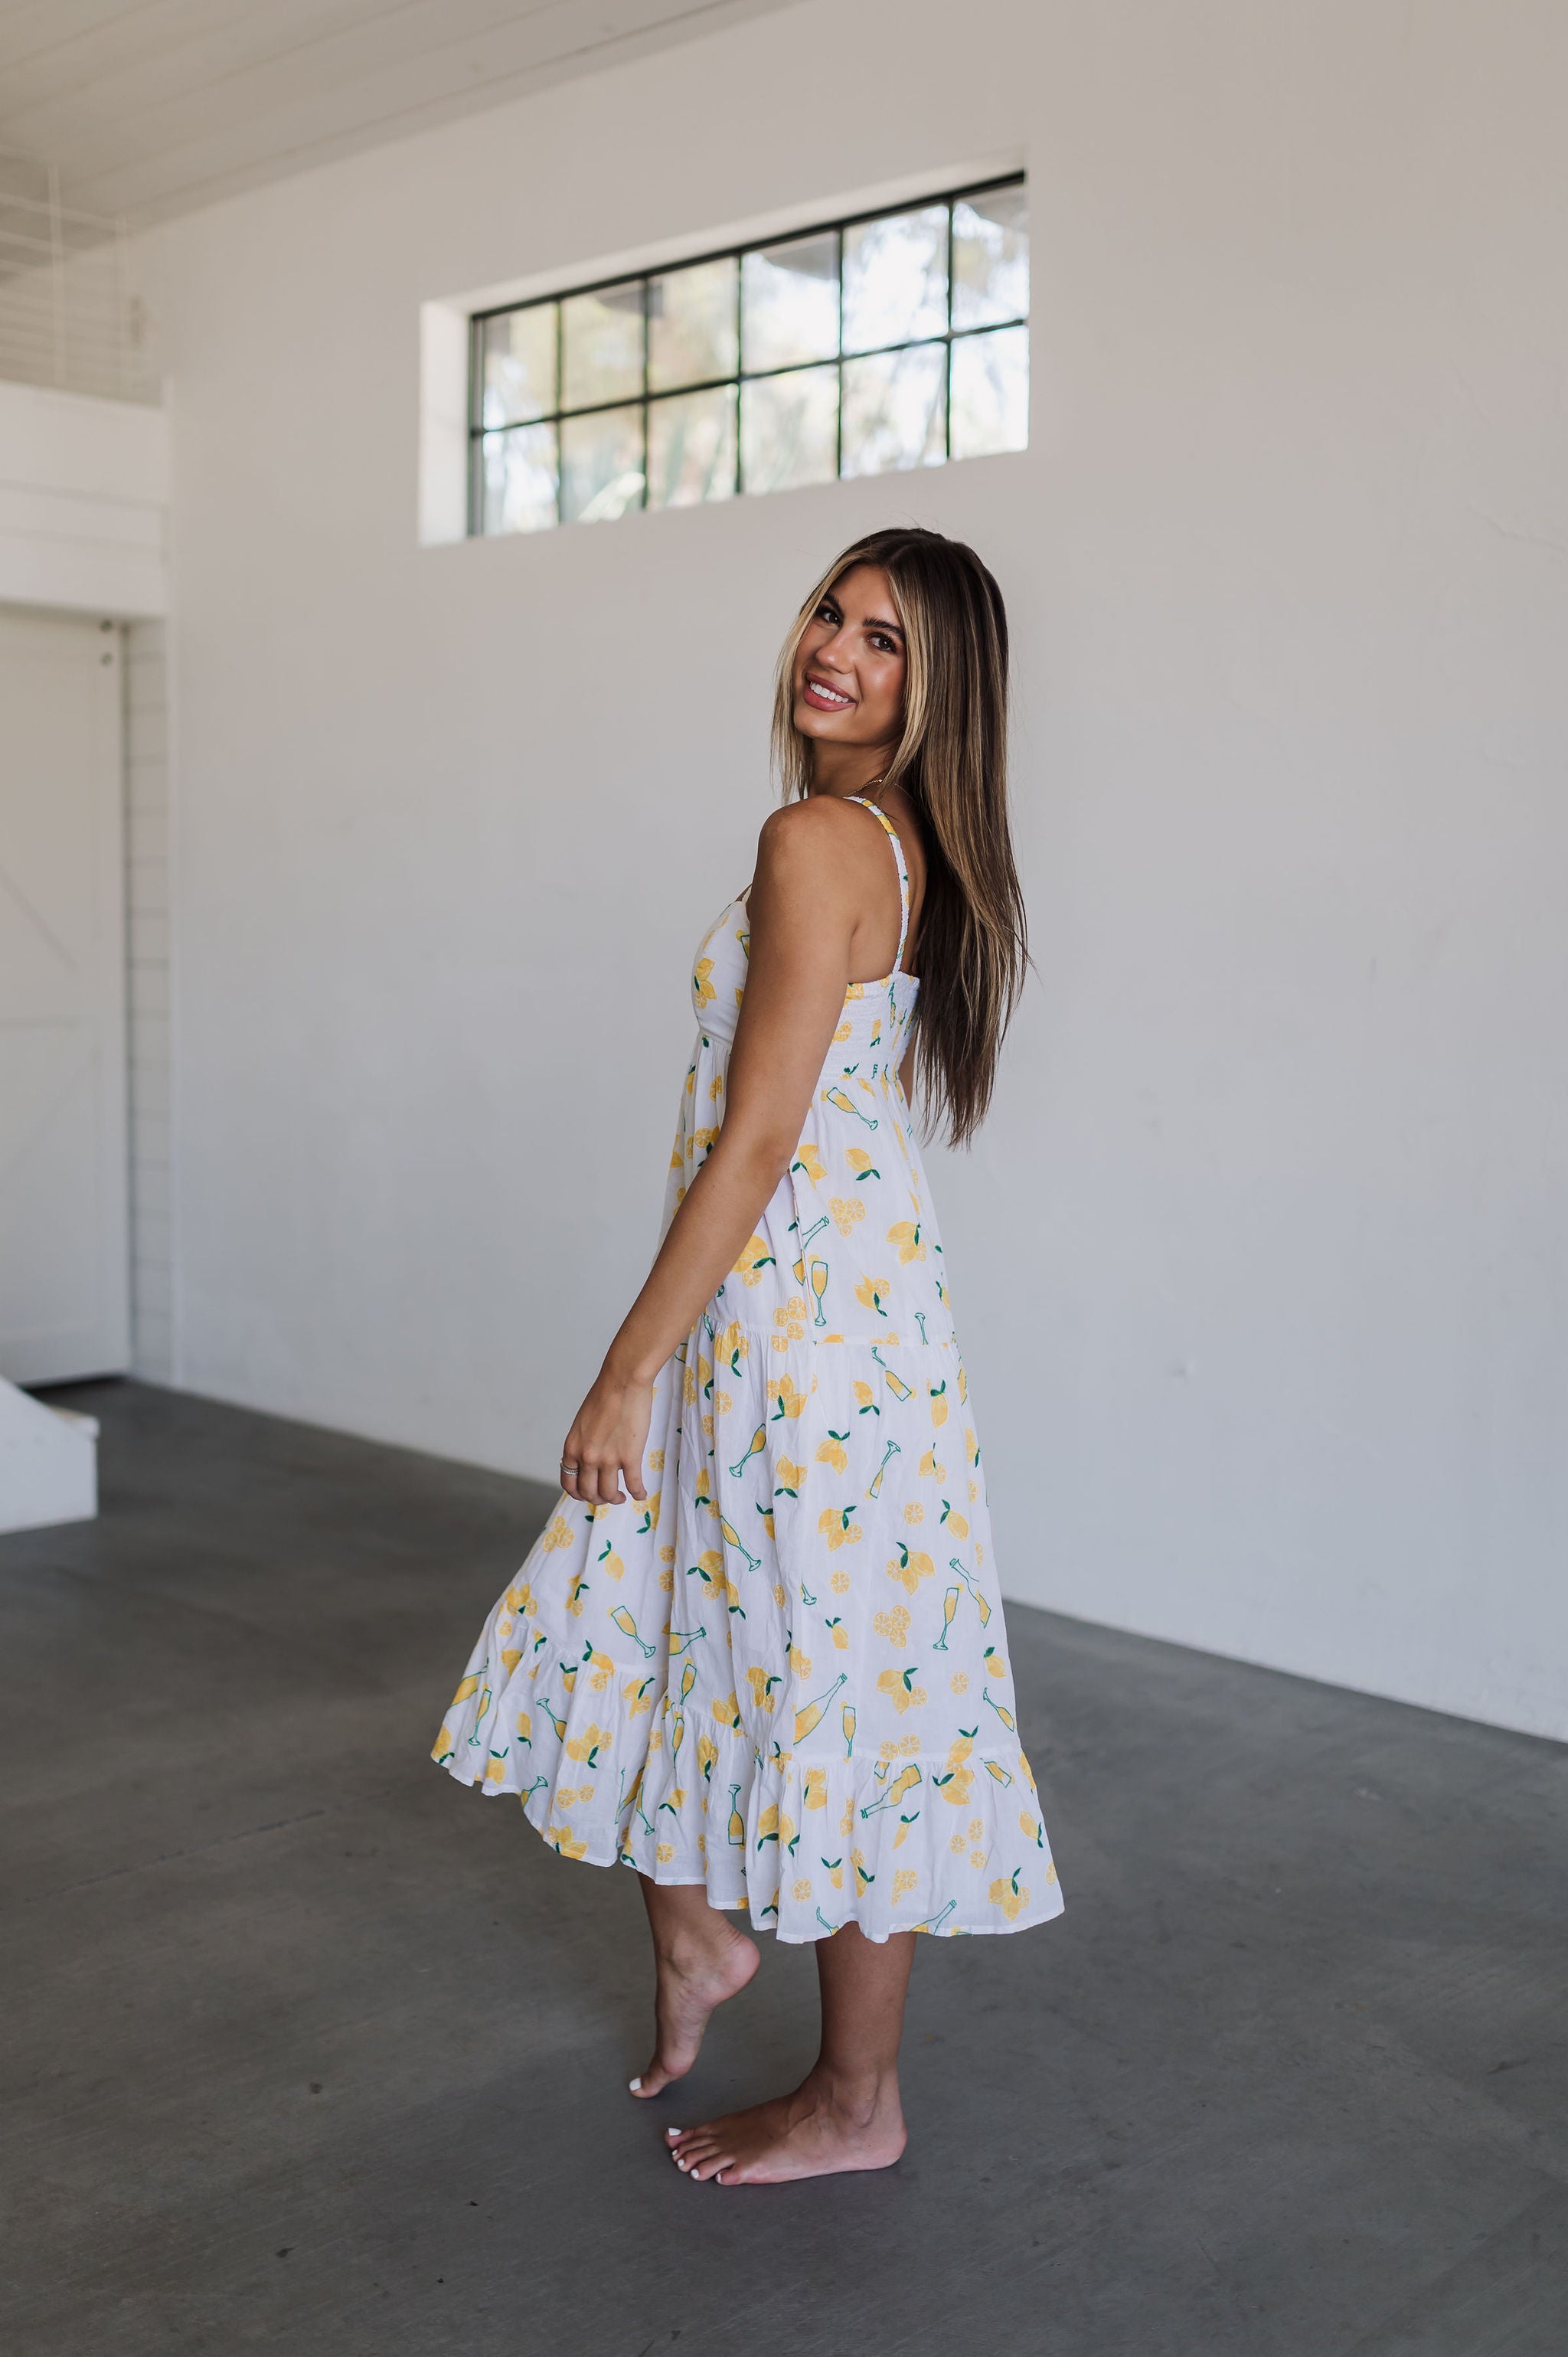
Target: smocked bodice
[877, 1015]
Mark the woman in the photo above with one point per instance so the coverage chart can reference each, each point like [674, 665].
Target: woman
[774, 1676]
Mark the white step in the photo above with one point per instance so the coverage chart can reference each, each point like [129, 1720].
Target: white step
[49, 1463]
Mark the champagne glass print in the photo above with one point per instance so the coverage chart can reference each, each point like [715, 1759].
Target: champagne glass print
[978, 1593]
[819, 1286]
[627, 1628]
[758, 1440]
[753, 1562]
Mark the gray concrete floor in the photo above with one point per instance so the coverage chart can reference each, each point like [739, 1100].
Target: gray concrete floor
[306, 2050]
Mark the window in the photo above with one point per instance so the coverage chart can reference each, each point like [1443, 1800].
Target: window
[896, 340]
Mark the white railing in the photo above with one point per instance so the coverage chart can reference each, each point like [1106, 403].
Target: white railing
[66, 314]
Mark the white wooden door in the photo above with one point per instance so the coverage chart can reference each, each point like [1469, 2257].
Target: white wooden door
[64, 1278]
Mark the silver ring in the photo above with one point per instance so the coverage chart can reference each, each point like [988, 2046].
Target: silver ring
[569, 1468]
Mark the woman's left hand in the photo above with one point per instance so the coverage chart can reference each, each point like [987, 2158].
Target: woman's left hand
[606, 1444]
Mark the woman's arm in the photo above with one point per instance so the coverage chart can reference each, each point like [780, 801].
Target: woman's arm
[803, 910]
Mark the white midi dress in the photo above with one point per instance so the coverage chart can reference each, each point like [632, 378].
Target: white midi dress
[784, 1675]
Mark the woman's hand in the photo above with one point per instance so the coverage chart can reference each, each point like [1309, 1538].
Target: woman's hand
[606, 1442]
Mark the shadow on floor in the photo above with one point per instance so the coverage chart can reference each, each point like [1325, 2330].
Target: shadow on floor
[309, 2051]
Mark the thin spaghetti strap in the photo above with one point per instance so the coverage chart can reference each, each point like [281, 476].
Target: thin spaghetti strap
[892, 833]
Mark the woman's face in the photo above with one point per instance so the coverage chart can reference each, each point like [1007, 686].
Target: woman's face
[850, 663]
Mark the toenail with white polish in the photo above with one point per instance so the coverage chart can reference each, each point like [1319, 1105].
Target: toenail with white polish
[634, 2084]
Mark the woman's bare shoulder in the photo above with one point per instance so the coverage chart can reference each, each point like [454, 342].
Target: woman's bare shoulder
[823, 834]
[816, 818]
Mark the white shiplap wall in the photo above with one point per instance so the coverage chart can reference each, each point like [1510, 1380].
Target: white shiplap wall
[147, 997]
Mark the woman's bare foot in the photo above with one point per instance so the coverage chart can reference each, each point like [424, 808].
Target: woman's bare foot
[827, 2126]
[701, 1959]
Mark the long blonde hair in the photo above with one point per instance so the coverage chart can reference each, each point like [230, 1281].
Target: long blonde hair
[951, 761]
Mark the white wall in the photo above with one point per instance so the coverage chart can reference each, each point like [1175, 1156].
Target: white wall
[83, 486]
[1260, 1266]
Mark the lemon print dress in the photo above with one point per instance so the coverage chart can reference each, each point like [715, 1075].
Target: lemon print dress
[784, 1675]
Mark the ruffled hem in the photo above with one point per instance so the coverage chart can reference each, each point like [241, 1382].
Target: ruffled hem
[803, 1840]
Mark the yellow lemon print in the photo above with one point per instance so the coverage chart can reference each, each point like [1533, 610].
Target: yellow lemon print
[899, 1687]
[910, 1565]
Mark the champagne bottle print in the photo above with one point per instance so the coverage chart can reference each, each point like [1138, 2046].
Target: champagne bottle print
[680, 1639]
[847, 1104]
[1005, 1716]
[815, 1712]
[800, 1269]
[891, 1450]
[902, 1783]
[896, 1383]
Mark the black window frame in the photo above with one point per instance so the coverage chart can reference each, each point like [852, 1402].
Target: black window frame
[741, 375]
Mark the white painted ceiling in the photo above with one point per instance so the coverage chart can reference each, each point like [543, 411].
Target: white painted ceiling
[152, 107]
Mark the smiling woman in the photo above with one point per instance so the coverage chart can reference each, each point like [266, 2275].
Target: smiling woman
[893, 340]
[770, 1671]
[941, 632]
